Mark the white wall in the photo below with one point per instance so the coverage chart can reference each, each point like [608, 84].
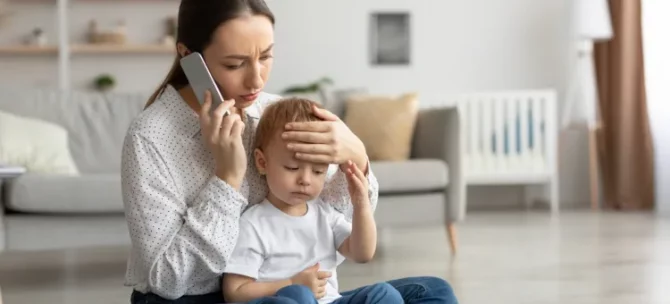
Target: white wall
[457, 46]
[657, 73]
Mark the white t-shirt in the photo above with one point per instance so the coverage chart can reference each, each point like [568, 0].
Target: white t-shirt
[273, 245]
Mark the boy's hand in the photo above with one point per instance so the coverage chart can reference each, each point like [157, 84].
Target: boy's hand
[313, 279]
[358, 185]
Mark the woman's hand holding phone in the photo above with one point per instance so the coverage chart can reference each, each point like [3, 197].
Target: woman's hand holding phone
[223, 135]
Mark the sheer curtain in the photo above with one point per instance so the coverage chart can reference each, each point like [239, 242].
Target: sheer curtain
[655, 25]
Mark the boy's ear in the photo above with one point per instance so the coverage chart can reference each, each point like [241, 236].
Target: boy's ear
[259, 159]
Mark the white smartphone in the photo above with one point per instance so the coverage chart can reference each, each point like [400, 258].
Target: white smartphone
[201, 79]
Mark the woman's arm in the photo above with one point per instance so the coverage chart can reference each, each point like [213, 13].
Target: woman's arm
[175, 245]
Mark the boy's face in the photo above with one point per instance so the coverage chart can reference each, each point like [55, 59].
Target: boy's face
[292, 181]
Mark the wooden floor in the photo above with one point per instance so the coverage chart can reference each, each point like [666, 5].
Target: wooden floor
[505, 257]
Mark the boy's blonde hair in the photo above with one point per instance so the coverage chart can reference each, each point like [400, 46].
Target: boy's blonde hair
[281, 112]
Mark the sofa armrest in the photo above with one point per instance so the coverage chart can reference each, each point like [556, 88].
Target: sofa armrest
[2, 216]
[2, 196]
[437, 136]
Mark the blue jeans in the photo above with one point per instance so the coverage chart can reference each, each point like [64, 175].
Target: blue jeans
[424, 290]
[380, 293]
[372, 294]
[413, 290]
[293, 294]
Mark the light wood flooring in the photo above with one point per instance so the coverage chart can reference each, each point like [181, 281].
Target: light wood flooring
[579, 257]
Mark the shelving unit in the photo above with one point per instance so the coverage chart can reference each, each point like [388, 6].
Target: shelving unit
[121, 49]
[64, 49]
[28, 50]
[87, 49]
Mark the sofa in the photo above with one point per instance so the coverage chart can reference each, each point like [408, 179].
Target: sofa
[52, 211]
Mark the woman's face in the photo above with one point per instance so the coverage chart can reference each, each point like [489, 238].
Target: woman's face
[240, 57]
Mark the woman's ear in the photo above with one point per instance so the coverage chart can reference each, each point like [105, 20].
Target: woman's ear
[260, 161]
[182, 50]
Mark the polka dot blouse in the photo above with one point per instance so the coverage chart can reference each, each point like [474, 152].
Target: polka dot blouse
[183, 220]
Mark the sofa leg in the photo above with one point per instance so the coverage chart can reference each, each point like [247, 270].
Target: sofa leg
[453, 241]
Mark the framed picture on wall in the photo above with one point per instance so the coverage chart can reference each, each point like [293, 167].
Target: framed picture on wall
[390, 38]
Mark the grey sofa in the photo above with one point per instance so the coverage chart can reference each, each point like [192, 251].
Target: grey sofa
[40, 212]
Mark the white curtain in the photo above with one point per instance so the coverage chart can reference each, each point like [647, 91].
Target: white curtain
[655, 25]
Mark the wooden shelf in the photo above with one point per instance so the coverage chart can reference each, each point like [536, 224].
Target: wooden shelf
[28, 50]
[89, 49]
[121, 49]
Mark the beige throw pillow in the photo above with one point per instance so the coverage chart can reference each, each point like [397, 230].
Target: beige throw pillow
[384, 124]
[38, 146]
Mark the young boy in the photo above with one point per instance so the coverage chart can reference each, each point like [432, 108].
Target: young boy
[293, 238]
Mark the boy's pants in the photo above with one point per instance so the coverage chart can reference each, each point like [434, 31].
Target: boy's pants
[378, 293]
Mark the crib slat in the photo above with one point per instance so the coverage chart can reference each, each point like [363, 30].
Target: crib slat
[486, 133]
[499, 131]
[511, 120]
[538, 117]
[524, 131]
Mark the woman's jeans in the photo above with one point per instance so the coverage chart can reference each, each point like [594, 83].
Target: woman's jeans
[285, 295]
[413, 290]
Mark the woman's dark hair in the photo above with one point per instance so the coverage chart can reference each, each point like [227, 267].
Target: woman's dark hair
[196, 23]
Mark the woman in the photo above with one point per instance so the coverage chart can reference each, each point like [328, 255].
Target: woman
[186, 171]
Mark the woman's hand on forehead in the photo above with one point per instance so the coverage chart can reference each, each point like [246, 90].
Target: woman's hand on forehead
[327, 141]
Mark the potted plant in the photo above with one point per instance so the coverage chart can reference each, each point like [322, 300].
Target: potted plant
[104, 82]
[313, 90]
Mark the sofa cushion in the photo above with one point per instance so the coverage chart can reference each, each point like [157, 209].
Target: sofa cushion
[385, 124]
[411, 176]
[36, 145]
[337, 103]
[96, 122]
[94, 193]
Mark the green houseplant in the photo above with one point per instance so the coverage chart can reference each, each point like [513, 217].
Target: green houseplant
[104, 82]
[312, 88]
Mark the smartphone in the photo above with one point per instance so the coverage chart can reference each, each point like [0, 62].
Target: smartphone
[201, 79]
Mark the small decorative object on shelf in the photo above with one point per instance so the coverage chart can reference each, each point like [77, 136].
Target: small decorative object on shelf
[171, 33]
[37, 38]
[104, 82]
[172, 26]
[114, 36]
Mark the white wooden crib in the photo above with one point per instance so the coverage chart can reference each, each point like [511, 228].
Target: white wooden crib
[508, 138]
